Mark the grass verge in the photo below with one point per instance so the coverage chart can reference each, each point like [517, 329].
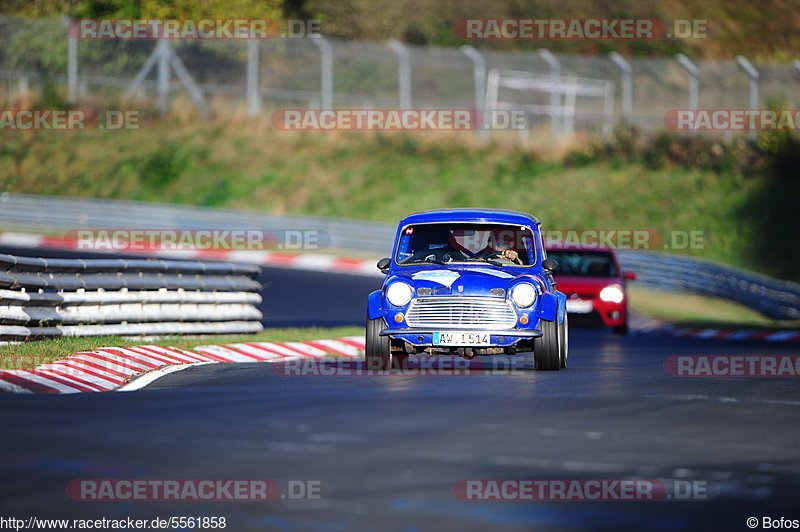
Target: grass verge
[745, 220]
[692, 310]
[30, 354]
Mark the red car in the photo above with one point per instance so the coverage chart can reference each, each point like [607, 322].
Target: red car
[594, 284]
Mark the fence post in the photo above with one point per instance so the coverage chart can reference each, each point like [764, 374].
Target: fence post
[403, 73]
[72, 61]
[627, 86]
[555, 98]
[754, 76]
[479, 79]
[194, 91]
[163, 77]
[138, 80]
[253, 92]
[165, 55]
[326, 70]
[694, 84]
[608, 107]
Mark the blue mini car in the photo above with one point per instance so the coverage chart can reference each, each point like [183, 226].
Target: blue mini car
[467, 282]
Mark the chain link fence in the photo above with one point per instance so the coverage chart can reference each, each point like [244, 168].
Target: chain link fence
[258, 76]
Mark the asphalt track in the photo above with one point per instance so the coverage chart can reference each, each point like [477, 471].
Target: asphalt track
[388, 449]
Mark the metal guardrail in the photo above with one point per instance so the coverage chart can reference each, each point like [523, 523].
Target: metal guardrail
[74, 297]
[774, 298]
[61, 214]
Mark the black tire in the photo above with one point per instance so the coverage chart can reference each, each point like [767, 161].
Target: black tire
[546, 348]
[563, 341]
[377, 352]
[621, 329]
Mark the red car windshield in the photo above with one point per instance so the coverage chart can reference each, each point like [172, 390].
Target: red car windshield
[581, 263]
[509, 245]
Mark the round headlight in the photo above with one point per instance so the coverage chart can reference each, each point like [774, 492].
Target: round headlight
[612, 294]
[399, 293]
[523, 295]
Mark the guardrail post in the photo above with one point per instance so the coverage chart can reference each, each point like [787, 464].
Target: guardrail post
[326, 70]
[253, 92]
[555, 98]
[627, 86]
[479, 80]
[403, 72]
[694, 84]
[754, 76]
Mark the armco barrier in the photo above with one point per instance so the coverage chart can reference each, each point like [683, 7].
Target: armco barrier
[774, 298]
[57, 214]
[73, 297]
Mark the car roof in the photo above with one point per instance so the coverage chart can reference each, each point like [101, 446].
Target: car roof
[471, 215]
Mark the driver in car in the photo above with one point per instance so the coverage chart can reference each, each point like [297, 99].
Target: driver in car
[500, 248]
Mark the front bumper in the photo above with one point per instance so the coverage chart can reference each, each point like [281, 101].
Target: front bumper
[612, 314]
[498, 338]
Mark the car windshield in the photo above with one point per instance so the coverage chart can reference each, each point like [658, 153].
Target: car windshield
[581, 263]
[444, 243]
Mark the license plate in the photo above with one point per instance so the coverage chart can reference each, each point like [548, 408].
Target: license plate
[579, 306]
[461, 338]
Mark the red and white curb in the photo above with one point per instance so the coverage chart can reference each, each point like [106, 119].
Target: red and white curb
[111, 368]
[642, 325]
[300, 261]
[730, 334]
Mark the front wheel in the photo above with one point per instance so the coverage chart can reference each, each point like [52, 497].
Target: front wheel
[547, 348]
[563, 329]
[377, 352]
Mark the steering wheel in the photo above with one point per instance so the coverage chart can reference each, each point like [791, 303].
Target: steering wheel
[498, 255]
[447, 255]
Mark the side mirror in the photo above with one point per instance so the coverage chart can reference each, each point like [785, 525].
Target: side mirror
[629, 276]
[550, 265]
[383, 264]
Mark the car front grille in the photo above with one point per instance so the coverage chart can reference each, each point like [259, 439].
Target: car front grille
[461, 312]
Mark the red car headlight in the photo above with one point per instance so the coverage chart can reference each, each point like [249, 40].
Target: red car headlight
[612, 294]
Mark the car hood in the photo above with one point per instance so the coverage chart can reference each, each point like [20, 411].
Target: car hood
[476, 281]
